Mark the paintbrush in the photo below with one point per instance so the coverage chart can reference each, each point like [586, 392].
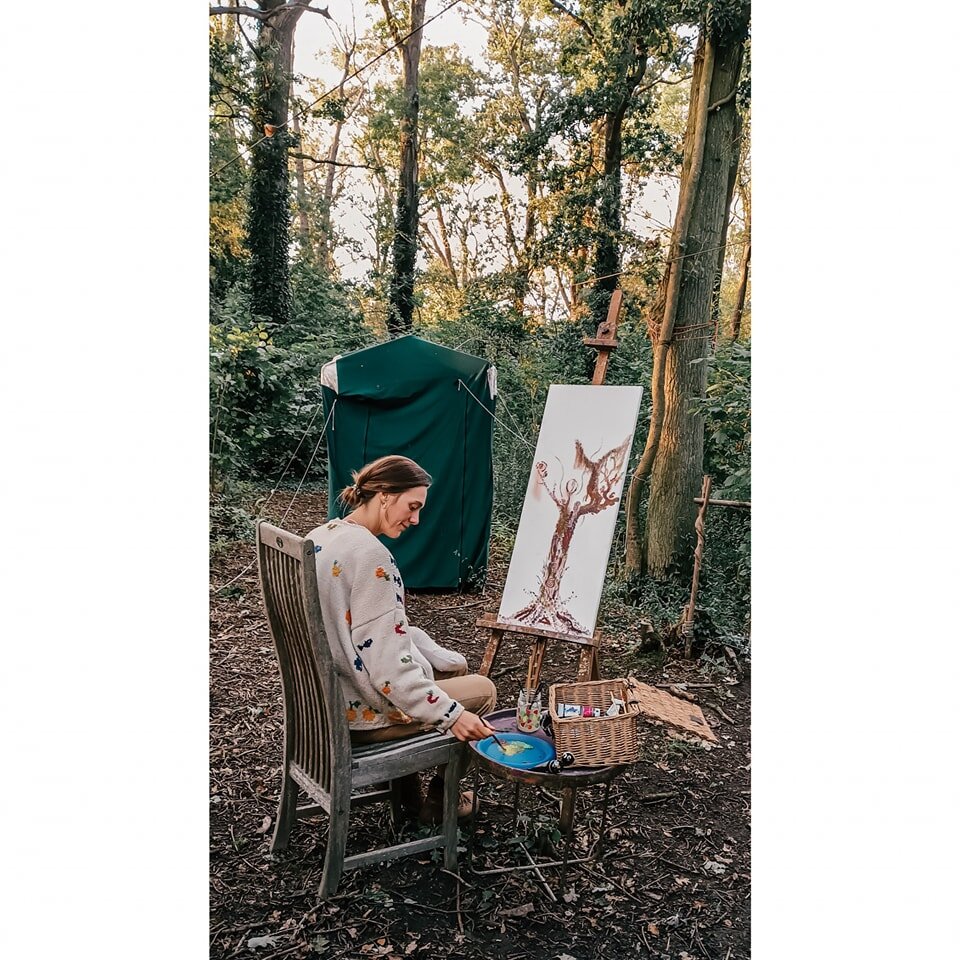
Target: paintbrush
[496, 739]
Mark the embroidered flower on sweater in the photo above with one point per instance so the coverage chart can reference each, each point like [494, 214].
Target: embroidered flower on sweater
[336, 569]
[399, 629]
[346, 617]
[352, 710]
[358, 663]
[432, 697]
[398, 716]
[366, 643]
[381, 573]
[369, 713]
[385, 689]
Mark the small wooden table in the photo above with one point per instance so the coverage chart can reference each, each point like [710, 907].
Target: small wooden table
[567, 782]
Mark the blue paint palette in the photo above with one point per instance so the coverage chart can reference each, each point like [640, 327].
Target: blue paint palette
[538, 751]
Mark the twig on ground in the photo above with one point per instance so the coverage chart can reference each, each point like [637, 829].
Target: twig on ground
[462, 606]
[717, 710]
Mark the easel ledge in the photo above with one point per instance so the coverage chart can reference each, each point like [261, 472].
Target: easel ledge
[589, 668]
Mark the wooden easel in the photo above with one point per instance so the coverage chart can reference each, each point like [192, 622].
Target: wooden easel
[589, 667]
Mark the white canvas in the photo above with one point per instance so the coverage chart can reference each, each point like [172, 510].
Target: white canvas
[570, 509]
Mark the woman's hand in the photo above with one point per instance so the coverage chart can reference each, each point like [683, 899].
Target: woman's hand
[468, 726]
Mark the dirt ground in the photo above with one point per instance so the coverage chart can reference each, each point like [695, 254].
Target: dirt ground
[674, 879]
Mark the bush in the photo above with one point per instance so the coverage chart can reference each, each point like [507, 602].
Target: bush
[265, 378]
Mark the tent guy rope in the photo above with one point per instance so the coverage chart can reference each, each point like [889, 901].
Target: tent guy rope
[293, 499]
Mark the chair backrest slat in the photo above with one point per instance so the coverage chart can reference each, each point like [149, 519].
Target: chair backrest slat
[315, 732]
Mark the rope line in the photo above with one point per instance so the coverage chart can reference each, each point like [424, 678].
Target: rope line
[682, 256]
[274, 490]
[327, 93]
[495, 417]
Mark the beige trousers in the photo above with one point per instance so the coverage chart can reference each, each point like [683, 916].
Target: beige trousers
[476, 693]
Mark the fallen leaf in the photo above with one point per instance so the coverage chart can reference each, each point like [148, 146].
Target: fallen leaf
[268, 941]
[653, 930]
[265, 826]
[566, 956]
[410, 947]
[569, 897]
[521, 911]
[717, 869]
[681, 881]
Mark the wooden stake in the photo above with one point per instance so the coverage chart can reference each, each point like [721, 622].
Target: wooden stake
[686, 628]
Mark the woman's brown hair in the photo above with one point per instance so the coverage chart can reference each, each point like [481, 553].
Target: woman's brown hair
[392, 474]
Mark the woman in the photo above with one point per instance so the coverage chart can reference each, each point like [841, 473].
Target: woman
[396, 681]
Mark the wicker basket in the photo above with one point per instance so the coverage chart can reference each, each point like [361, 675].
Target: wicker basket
[596, 741]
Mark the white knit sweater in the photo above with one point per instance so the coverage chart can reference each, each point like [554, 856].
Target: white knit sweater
[384, 677]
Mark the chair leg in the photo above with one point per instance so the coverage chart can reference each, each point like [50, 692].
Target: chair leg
[336, 847]
[451, 801]
[396, 803]
[286, 813]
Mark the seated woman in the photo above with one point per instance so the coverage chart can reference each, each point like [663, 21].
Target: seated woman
[395, 680]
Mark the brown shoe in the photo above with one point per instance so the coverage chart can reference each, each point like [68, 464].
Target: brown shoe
[411, 795]
[431, 812]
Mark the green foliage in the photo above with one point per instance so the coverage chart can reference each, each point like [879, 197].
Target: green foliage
[265, 377]
[726, 413]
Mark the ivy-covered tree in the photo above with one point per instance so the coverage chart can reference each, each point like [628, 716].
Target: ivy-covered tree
[268, 209]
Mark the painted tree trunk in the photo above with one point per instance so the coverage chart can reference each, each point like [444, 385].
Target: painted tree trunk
[400, 306]
[268, 220]
[593, 492]
[678, 466]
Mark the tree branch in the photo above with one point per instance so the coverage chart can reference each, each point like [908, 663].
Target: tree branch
[716, 106]
[391, 23]
[333, 163]
[303, 5]
[573, 16]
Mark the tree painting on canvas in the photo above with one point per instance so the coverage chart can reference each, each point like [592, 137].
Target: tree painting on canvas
[570, 509]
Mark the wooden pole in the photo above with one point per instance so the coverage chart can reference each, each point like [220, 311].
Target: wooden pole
[606, 339]
[686, 628]
[742, 504]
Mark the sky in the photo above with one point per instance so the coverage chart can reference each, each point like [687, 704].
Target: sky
[315, 39]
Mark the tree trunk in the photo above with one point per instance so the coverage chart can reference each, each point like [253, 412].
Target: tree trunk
[741, 291]
[606, 260]
[303, 221]
[677, 469]
[268, 222]
[400, 306]
[722, 248]
[326, 202]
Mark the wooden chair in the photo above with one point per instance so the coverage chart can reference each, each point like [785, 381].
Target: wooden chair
[317, 756]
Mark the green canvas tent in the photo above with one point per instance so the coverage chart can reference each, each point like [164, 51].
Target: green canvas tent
[412, 397]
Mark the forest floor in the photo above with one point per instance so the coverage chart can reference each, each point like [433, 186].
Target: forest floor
[674, 879]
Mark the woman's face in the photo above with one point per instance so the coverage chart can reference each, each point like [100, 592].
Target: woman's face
[401, 510]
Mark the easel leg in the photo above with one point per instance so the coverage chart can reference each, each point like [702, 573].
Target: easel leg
[589, 668]
[490, 654]
[536, 662]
